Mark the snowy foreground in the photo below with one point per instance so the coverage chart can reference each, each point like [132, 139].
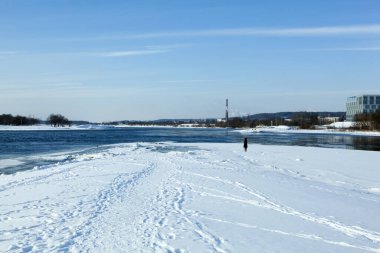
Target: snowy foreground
[196, 198]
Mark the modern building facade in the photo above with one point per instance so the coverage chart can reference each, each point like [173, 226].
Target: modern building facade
[361, 104]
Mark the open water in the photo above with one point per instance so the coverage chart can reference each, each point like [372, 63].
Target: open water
[23, 150]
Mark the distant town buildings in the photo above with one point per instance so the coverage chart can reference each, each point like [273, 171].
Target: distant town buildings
[361, 104]
[328, 120]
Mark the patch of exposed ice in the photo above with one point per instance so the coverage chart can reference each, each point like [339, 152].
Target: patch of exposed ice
[374, 190]
[4, 163]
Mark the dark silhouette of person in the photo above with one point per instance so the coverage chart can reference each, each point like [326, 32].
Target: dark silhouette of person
[245, 144]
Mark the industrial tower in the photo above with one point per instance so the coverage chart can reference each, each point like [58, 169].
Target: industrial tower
[227, 111]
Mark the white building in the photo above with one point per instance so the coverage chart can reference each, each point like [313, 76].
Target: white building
[361, 104]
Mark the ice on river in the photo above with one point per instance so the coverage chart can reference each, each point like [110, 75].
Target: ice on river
[167, 197]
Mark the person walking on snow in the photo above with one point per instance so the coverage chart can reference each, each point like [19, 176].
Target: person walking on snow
[245, 144]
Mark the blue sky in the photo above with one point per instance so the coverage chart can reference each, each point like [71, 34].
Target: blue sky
[115, 60]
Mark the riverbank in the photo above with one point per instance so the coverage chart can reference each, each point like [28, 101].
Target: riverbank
[51, 128]
[91, 127]
[244, 131]
[196, 197]
[292, 130]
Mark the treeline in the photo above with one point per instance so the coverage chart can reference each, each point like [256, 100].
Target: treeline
[304, 120]
[56, 120]
[9, 119]
[368, 121]
[175, 123]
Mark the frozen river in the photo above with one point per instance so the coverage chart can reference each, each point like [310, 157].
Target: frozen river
[24, 150]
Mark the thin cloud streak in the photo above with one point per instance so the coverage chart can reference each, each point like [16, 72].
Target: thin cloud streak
[129, 53]
[8, 52]
[52, 87]
[342, 49]
[126, 53]
[195, 81]
[74, 92]
[298, 93]
[373, 29]
[309, 31]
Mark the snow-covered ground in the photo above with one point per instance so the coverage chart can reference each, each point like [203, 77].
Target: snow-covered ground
[344, 124]
[168, 197]
[192, 126]
[48, 127]
[141, 126]
[292, 130]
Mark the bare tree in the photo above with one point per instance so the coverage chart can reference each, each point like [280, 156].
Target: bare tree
[368, 121]
[58, 120]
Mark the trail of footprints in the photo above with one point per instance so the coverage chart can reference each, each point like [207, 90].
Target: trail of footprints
[263, 201]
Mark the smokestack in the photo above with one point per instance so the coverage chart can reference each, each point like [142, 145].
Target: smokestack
[227, 110]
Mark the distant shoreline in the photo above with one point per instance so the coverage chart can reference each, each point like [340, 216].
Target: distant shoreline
[274, 129]
[43, 127]
[51, 128]
[86, 127]
[338, 131]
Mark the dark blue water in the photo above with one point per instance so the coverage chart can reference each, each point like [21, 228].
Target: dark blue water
[27, 146]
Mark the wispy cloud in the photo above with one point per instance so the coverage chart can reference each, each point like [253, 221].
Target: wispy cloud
[348, 30]
[306, 31]
[66, 90]
[343, 49]
[129, 53]
[313, 93]
[8, 53]
[256, 31]
[148, 50]
[50, 86]
[196, 81]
